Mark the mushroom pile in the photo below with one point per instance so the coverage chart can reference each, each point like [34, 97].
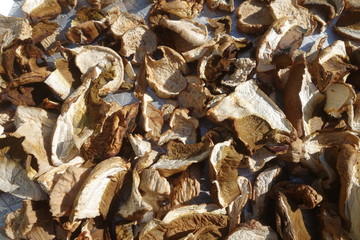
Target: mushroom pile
[222, 138]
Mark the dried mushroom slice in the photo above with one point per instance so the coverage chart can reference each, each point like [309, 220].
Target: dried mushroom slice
[277, 45]
[331, 65]
[339, 97]
[152, 118]
[165, 72]
[183, 9]
[180, 156]
[348, 167]
[348, 25]
[323, 8]
[13, 28]
[85, 33]
[352, 5]
[221, 25]
[224, 164]
[99, 3]
[243, 69]
[45, 32]
[42, 9]
[263, 183]
[136, 42]
[140, 146]
[249, 108]
[195, 97]
[121, 22]
[252, 230]
[98, 189]
[186, 34]
[182, 221]
[103, 57]
[225, 5]
[254, 16]
[182, 128]
[330, 222]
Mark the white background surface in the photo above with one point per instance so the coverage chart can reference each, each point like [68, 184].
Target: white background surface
[5, 6]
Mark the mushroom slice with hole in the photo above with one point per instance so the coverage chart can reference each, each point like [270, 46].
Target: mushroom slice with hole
[249, 108]
[180, 156]
[186, 34]
[224, 163]
[102, 56]
[252, 230]
[254, 17]
[165, 72]
[36, 125]
[331, 65]
[42, 9]
[348, 24]
[182, 221]
[12, 28]
[263, 183]
[348, 167]
[182, 128]
[98, 189]
[136, 42]
[339, 97]
[225, 5]
[121, 22]
[195, 97]
[277, 45]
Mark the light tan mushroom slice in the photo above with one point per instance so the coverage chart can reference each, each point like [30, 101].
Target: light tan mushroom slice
[348, 167]
[99, 3]
[195, 97]
[168, 108]
[182, 128]
[252, 230]
[186, 186]
[121, 22]
[137, 42]
[146, 161]
[352, 5]
[291, 10]
[348, 25]
[166, 74]
[300, 99]
[32, 221]
[135, 208]
[198, 52]
[182, 9]
[261, 156]
[224, 164]
[139, 145]
[243, 67]
[263, 183]
[186, 34]
[331, 65]
[277, 45]
[225, 5]
[36, 125]
[48, 180]
[339, 97]
[236, 207]
[221, 25]
[102, 57]
[64, 192]
[98, 189]
[152, 118]
[12, 28]
[41, 9]
[180, 156]
[254, 16]
[180, 222]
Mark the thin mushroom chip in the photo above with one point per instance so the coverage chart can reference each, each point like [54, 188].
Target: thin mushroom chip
[348, 25]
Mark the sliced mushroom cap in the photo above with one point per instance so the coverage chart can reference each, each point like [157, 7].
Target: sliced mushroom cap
[195, 98]
[137, 42]
[348, 25]
[339, 97]
[165, 72]
[42, 9]
[12, 28]
[221, 25]
[225, 5]
[139, 145]
[121, 22]
[182, 9]
[252, 230]
[99, 188]
[352, 5]
[85, 33]
[152, 118]
[254, 16]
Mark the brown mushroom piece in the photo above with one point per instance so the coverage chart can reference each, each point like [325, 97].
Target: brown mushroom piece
[43, 9]
[99, 3]
[152, 120]
[182, 9]
[352, 5]
[12, 28]
[348, 25]
[221, 25]
[165, 72]
[252, 230]
[85, 33]
[195, 97]
[45, 32]
[330, 222]
[225, 5]
[140, 146]
[253, 17]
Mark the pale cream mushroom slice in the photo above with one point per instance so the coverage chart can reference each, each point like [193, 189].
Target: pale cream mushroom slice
[136, 42]
[140, 146]
[252, 230]
[182, 128]
[41, 9]
[348, 167]
[165, 72]
[187, 34]
[254, 16]
[195, 98]
[352, 5]
[339, 98]
[12, 28]
[249, 108]
[277, 45]
[152, 120]
[121, 22]
[225, 5]
[224, 164]
[261, 156]
[101, 56]
[348, 24]
[36, 126]
[98, 189]
[180, 156]
[243, 68]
